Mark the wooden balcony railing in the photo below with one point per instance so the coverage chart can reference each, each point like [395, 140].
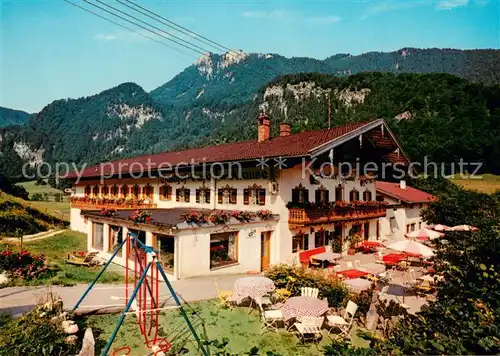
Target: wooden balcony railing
[308, 216]
[122, 204]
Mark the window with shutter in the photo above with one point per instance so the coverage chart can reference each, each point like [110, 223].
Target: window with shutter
[246, 196]
[207, 196]
[87, 191]
[262, 197]
[125, 191]
[95, 191]
[198, 195]
[177, 195]
[220, 196]
[187, 194]
[234, 195]
[339, 193]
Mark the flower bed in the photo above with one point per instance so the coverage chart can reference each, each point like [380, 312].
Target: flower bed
[139, 216]
[119, 203]
[22, 264]
[222, 217]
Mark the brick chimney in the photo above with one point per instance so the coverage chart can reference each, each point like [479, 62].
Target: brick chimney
[285, 129]
[263, 127]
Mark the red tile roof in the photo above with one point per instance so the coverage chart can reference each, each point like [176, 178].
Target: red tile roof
[282, 146]
[408, 195]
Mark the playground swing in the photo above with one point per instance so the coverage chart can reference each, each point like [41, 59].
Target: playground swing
[144, 299]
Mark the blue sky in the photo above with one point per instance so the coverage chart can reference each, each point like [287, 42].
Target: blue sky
[52, 50]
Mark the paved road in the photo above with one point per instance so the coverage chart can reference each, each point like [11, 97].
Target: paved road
[17, 300]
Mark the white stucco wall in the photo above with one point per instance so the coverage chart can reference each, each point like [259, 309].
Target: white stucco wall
[403, 216]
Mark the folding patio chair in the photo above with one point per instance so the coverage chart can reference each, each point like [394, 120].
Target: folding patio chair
[309, 292]
[342, 323]
[270, 319]
[309, 327]
[225, 296]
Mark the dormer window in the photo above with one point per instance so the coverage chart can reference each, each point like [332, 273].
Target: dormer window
[300, 194]
[203, 195]
[254, 195]
[227, 195]
[322, 195]
[182, 195]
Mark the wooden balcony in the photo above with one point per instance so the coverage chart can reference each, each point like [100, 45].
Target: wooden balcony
[119, 204]
[310, 216]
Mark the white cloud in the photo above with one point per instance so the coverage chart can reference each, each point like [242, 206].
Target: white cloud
[381, 7]
[105, 37]
[323, 20]
[451, 4]
[274, 14]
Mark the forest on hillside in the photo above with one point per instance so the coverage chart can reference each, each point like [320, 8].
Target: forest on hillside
[447, 118]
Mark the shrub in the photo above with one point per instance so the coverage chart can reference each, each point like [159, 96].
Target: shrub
[35, 333]
[294, 278]
[22, 264]
[36, 197]
[363, 300]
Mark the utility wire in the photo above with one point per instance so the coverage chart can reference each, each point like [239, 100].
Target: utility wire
[176, 26]
[129, 29]
[188, 45]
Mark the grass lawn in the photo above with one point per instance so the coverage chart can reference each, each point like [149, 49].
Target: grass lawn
[60, 210]
[488, 183]
[242, 330]
[56, 249]
[32, 188]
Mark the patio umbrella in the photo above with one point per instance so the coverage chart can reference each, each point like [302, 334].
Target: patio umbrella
[440, 227]
[464, 228]
[424, 234]
[411, 247]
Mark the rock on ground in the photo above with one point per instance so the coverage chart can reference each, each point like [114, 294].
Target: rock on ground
[88, 344]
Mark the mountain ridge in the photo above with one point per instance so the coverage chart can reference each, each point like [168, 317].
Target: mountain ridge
[201, 103]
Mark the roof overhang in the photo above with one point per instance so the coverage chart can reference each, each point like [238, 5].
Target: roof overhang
[328, 146]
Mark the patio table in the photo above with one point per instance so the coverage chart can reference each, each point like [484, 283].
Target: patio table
[352, 273]
[327, 256]
[296, 307]
[358, 284]
[253, 287]
[393, 258]
[373, 268]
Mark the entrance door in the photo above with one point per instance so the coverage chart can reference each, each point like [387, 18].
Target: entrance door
[265, 250]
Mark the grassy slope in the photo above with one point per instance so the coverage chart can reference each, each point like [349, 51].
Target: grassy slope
[60, 210]
[56, 249]
[488, 183]
[32, 188]
[242, 330]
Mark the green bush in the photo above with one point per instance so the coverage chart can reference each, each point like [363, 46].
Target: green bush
[11, 223]
[294, 278]
[36, 197]
[34, 334]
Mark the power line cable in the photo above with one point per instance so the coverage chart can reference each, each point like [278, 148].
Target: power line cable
[129, 29]
[176, 26]
[183, 42]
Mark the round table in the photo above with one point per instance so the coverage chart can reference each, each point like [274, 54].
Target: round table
[358, 284]
[253, 287]
[296, 307]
